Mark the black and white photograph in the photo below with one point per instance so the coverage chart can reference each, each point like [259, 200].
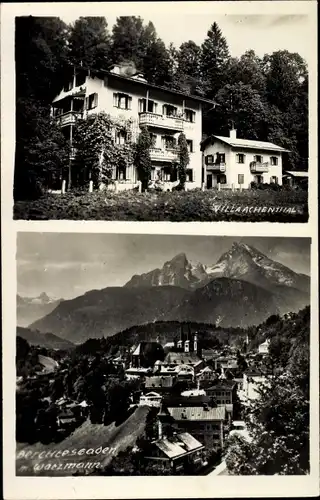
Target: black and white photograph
[162, 117]
[160, 355]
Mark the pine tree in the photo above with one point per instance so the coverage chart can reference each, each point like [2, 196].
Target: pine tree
[126, 40]
[214, 60]
[184, 159]
[142, 159]
[89, 42]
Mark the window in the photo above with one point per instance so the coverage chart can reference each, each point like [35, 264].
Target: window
[209, 159]
[80, 78]
[240, 158]
[122, 101]
[189, 115]
[121, 173]
[221, 179]
[120, 137]
[189, 174]
[221, 158]
[68, 85]
[92, 101]
[240, 178]
[169, 142]
[258, 158]
[274, 179]
[190, 145]
[153, 138]
[169, 110]
[147, 106]
[273, 160]
[167, 174]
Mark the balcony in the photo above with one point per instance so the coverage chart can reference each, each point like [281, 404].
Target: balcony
[219, 168]
[259, 168]
[161, 121]
[159, 154]
[68, 118]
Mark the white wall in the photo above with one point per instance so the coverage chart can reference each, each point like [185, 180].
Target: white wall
[105, 90]
[233, 169]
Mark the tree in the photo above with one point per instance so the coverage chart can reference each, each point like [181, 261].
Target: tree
[183, 156]
[239, 105]
[97, 155]
[215, 59]
[126, 40]
[187, 73]
[41, 59]
[278, 421]
[248, 69]
[142, 159]
[89, 42]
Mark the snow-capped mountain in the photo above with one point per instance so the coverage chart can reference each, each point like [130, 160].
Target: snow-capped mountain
[249, 264]
[29, 309]
[177, 272]
[241, 262]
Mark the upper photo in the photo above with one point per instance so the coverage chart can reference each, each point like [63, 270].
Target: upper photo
[165, 118]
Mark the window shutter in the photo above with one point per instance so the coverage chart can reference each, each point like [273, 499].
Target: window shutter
[129, 102]
[115, 100]
[86, 103]
[190, 175]
[254, 158]
[237, 157]
[95, 100]
[244, 158]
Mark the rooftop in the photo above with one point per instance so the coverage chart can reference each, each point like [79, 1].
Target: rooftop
[245, 143]
[190, 358]
[159, 382]
[297, 173]
[197, 413]
[178, 445]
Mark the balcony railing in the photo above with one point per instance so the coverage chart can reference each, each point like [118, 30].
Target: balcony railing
[258, 167]
[162, 121]
[68, 118]
[217, 167]
[159, 154]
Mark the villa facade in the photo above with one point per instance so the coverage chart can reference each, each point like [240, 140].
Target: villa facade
[165, 112]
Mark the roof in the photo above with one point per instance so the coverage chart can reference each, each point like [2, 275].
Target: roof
[146, 84]
[152, 394]
[223, 385]
[197, 413]
[182, 358]
[297, 173]
[178, 445]
[159, 382]
[247, 144]
[198, 400]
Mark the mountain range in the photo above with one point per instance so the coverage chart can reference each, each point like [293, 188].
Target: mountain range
[242, 288]
[29, 309]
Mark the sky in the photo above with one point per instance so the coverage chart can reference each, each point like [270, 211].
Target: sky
[262, 33]
[66, 265]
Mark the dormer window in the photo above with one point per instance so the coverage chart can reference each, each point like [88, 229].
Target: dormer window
[122, 101]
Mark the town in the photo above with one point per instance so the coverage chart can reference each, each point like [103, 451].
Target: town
[176, 404]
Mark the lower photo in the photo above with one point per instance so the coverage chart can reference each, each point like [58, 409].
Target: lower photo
[159, 355]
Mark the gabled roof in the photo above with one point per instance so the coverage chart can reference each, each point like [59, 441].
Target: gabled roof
[197, 413]
[247, 144]
[178, 445]
[297, 173]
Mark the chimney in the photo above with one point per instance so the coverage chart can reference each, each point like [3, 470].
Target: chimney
[233, 133]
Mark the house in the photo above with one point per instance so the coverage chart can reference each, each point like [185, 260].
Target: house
[223, 391]
[295, 178]
[264, 347]
[162, 385]
[232, 162]
[66, 419]
[125, 94]
[150, 399]
[251, 382]
[134, 373]
[177, 451]
[206, 424]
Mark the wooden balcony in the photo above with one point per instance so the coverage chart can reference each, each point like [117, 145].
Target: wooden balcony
[68, 118]
[259, 168]
[219, 168]
[161, 121]
[159, 154]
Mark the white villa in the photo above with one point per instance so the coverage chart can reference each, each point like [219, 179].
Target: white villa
[165, 112]
[230, 162]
